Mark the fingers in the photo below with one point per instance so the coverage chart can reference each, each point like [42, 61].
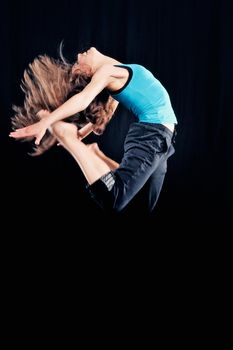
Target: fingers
[26, 133]
[38, 138]
[19, 133]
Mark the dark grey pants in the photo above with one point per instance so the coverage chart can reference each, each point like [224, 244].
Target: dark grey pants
[146, 150]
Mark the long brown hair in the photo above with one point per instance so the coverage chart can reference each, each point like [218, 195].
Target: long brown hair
[47, 83]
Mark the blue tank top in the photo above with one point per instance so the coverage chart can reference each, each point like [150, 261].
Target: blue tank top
[145, 96]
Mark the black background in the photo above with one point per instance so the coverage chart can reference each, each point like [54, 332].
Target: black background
[188, 47]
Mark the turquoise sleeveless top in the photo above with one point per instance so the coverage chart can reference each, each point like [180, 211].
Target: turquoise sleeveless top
[145, 96]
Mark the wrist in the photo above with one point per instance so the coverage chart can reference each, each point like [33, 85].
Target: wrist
[46, 123]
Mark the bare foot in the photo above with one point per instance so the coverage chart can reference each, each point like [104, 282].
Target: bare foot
[62, 129]
[94, 147]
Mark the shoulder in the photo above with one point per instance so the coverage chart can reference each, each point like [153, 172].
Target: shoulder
[105, 69]
[112, 70]
[103, 73]
[109, 73]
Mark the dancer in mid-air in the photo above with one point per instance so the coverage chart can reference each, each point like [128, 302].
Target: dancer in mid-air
[148, 144]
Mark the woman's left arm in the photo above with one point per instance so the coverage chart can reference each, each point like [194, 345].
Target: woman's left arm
[85, 131]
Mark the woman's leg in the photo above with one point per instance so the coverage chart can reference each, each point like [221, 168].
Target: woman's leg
[154, 184]
[110, 162]
[93, 162]
[145, 151]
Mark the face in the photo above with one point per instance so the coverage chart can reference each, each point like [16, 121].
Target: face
[86, 60]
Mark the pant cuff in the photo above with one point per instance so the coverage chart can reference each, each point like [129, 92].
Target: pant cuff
[109, 180]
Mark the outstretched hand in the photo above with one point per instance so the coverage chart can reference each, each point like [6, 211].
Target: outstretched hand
[36, 130]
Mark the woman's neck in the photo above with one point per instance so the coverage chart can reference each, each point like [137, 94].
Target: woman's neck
[105, 60]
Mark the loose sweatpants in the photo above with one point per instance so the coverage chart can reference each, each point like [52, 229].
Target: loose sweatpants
[147, 148]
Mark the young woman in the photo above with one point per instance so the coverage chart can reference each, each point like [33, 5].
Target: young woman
[148, 144]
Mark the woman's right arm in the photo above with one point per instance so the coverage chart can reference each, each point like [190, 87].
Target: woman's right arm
[75, 104]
